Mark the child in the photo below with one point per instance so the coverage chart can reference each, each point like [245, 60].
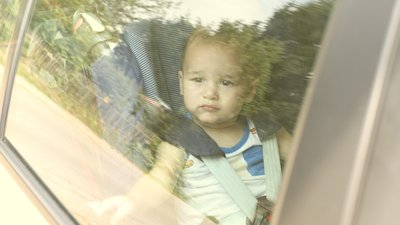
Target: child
[218, 81]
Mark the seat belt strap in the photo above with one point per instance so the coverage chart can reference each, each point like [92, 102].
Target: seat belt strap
[227, 177]
[272, 167]
[231, 182]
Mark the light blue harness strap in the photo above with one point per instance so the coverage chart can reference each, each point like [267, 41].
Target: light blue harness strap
[272, 167]
[227, 177]
[231, 182]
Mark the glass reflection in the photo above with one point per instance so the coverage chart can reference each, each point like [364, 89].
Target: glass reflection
[8, 18]
[96, 82]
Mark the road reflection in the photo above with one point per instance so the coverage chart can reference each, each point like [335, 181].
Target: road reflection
[78, 166]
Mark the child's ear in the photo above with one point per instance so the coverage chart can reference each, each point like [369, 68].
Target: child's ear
[252, 91]
[180, 82]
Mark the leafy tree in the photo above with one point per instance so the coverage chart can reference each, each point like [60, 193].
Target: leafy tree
[63, 44]
[300, 28]
[114, 13]
[8, 15]
[257, 54]
[55, 17]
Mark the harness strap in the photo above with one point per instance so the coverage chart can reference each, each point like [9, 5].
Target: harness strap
[231, 182]
[227, 177]
[272, 167]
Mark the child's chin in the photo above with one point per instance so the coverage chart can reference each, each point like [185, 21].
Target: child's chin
[211, 122]
[206, 120]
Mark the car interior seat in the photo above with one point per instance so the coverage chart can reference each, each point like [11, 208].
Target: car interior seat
[146, 63]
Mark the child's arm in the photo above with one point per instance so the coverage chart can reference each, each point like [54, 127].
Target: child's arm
[150, 191]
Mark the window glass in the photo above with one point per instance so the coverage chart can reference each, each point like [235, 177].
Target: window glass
[8, 14]
[15, 202]
[97, 97]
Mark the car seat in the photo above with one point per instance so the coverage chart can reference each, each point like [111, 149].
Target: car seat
[146, 63]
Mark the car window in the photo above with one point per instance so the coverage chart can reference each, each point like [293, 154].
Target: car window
[91, 75]
[9, 13]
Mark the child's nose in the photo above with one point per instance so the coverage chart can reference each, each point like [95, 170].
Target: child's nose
[211, 92]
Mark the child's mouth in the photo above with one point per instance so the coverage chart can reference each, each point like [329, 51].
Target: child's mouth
[209, 108]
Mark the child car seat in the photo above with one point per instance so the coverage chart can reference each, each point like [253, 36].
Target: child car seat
[143, 66]
[146, 63]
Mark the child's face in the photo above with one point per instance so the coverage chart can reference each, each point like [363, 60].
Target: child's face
[211, 84]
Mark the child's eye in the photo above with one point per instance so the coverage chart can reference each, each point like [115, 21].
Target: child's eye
[227, 83]
[197, 79]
